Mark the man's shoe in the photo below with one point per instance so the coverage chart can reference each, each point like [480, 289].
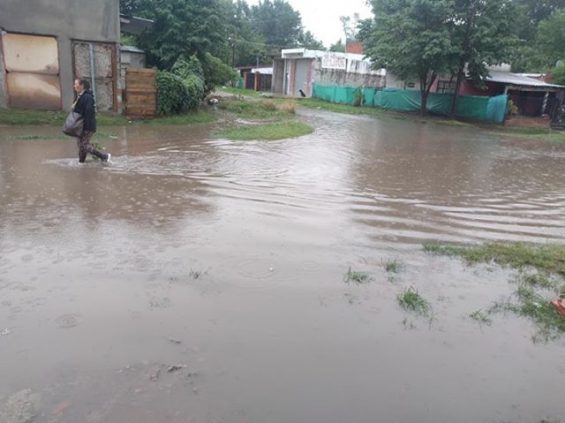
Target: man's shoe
[108, 158]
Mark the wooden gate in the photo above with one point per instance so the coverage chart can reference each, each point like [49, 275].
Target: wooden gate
[141, 93]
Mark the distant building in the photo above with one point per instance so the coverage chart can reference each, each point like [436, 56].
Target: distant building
[296, 72]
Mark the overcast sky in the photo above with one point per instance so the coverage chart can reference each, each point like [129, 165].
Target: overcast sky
[321, 17]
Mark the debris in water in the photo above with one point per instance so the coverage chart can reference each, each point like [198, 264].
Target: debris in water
[176, 367]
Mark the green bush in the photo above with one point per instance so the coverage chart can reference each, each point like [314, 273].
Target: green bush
[187, 67]
[195, 87]
[172, 94]
[217, 72]
[559, 74]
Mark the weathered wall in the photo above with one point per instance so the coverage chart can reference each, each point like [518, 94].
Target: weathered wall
[278, 76]
[88, 20]
[92, 20]
[3, 99]
[392, 81]
[357, 74]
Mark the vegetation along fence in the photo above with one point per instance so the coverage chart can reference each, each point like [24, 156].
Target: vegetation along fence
[488, 109]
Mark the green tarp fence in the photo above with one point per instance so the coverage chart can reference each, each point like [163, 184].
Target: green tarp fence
[487, 109]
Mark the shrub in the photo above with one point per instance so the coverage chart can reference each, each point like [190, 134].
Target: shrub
[172, 94]
[195, 87]
[188, 67]
[217, 72]
[559, 74]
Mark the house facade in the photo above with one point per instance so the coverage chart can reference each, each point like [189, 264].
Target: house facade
[45, 44]
[296, 72]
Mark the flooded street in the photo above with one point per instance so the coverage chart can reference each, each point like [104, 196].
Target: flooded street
[201, 280]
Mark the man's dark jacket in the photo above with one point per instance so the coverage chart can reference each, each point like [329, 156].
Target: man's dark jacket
[85, 107]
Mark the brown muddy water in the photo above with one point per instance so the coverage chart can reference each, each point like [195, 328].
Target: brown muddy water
[202, 280]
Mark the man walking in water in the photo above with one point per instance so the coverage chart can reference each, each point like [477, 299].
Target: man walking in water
[85, 106]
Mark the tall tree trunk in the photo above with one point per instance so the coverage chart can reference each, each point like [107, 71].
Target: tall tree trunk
[425, 88]
[465, 54]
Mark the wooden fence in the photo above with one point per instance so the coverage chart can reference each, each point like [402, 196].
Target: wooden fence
[141, 93]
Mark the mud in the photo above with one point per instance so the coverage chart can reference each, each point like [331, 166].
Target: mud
[202, 280]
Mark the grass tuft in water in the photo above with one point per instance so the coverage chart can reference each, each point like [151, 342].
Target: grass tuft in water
[411, 300]
[539, 280]
[356, 277]
[550, 324]
[481, 317]
[546, 258]
[393, 266]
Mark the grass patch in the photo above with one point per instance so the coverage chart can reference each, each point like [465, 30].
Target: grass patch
[31, 117]
[314, 103]
[356, 277]
[256, 109]
[270, 131]
[481, 317]
[240, 91]
[38, 117]
[548, 258]
[41, 117]
[393, 266]
[529, 301]
[532, 133]
[411, 300]
[550, 325]
[537, 280]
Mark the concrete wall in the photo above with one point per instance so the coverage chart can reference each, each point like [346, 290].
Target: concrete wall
[278, 76]
[3, 99]
[67, 20]
[357, 74]
[392, 81]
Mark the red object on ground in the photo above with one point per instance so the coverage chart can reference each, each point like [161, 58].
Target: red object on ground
[559, 305]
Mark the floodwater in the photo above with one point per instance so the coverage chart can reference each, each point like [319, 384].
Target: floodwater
[202, 280]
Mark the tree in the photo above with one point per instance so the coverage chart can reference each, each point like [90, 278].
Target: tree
[350, 26]
[182, 28]
[484, 33]
[338, 46]
[278, 23]
[307, 40]
[558, 74]
[550, 41]
[538, 10]
[412, 38]
[246, 44]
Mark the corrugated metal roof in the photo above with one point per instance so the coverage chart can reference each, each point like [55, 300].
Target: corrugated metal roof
[516, 79]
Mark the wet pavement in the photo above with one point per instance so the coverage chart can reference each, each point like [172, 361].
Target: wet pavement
[202, 280]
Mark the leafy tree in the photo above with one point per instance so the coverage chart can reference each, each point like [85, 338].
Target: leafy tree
[538, 10]
[350, 26]
[246, 44]
[307, 40]
[277, 22]
[182, 27]
[484, 34]
[550, 42]
[558, 74]
[364, 29]
[338, 46]
[217, 72]
[412, 38]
